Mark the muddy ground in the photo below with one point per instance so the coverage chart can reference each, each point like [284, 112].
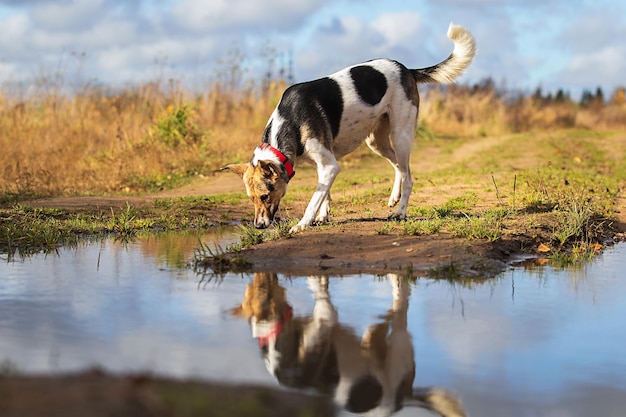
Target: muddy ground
[359, 238]
[353, 243]
[96, 394]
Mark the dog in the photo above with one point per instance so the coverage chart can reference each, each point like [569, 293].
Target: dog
[323, 120]
[372, 375]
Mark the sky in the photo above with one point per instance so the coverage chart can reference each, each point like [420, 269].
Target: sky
[522, 44]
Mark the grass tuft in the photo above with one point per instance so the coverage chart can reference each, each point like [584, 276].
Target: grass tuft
[217, 260]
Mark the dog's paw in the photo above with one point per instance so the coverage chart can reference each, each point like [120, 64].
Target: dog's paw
[321, 219]
[297, 228]
[397, 216]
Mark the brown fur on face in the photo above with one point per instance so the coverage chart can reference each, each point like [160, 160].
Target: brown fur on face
[265, 185]
[264, 299]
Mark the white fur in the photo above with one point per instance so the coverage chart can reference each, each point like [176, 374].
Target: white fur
[461, 57]
[276, 124]
[264, 155]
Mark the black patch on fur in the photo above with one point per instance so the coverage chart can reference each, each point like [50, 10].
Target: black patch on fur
[267, 132]
[370, 84]
[408, 83]
[365, 394]
[315, 105]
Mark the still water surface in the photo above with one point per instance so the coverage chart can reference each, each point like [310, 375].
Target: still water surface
[533, 342]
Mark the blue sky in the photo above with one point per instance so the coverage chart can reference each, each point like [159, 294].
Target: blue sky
[522, 44]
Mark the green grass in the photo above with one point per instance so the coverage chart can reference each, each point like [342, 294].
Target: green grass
[25, 230]
[250, 235]
[486, 225]
[418, 227]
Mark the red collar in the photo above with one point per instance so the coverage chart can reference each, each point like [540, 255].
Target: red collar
[266, 338]
[282, 158]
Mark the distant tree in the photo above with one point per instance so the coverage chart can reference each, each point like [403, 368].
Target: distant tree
[537, 97]
[586, 99]
[486, 85]
[619, 96]
[599, 98]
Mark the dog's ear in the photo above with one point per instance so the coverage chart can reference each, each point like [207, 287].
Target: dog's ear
[237, 311]
[238, 169]
[269, 169]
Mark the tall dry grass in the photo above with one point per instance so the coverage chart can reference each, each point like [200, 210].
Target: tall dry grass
[101, 140]
[483, 109]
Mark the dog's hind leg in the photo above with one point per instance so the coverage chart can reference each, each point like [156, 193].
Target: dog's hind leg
[327, 170]
[402, 144]
[379, 142]
[402, 124]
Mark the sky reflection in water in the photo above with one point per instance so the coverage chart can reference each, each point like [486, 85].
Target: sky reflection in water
[530, 343]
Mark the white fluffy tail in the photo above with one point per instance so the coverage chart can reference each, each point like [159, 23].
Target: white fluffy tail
[448, 70]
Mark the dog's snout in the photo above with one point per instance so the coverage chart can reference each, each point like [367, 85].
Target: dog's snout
[262, 223]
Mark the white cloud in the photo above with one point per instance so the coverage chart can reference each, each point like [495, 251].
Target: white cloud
[234, 15]
[74, 15]
[400, 28]
[591, 69]
[350, 40]
[14, 29]
[120, 41]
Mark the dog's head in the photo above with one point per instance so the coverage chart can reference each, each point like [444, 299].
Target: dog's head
[264, 299]
[265, 178]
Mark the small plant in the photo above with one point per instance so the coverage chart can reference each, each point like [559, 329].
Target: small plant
[281, 230]
[176, 126]
[499, 197]
[422, 227]
[384, 229]
[577, 254]
[217, 260]
[250, 236]
[123, 224]
[574, 221]
[464, 202]
[488, 225]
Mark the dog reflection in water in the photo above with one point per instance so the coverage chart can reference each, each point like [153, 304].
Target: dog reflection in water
[372, 375]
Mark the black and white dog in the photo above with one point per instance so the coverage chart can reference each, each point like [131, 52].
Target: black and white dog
[320, 121]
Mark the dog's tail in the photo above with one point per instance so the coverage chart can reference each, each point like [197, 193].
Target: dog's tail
[452, 67]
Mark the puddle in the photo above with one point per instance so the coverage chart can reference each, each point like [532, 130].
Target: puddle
[536, 342]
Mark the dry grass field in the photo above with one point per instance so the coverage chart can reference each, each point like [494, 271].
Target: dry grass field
[156, 136]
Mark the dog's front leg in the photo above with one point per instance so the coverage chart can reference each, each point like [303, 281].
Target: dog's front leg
[322, 215]
[327, 170]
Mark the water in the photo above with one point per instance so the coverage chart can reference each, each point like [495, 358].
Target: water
[532, 342]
